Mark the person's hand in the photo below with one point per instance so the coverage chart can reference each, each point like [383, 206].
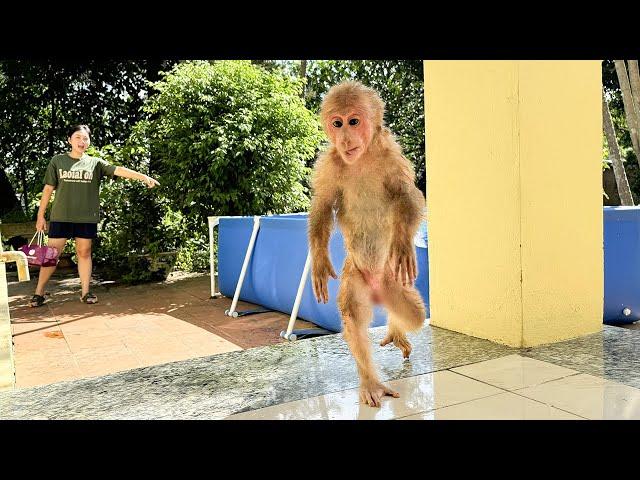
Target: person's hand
[150, 182]
[41, 224]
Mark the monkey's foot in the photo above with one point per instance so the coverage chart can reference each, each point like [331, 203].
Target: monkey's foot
[400, 341]
[371, 393]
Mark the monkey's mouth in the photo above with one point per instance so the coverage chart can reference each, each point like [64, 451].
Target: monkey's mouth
[351, 151]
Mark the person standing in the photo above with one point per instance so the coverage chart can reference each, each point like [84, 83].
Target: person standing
[75, 177]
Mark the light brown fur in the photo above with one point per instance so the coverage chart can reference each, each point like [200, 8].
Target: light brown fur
[378, 209]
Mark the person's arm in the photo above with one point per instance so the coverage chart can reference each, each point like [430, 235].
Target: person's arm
[127, 173]
[41, 223]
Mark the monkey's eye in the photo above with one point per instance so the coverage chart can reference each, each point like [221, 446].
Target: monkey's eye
[337, 123]
[354, 121]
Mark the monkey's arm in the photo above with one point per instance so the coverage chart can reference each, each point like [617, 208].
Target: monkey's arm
[320, 226]
[407, 207]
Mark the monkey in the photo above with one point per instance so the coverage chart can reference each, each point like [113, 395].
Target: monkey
[364, 181]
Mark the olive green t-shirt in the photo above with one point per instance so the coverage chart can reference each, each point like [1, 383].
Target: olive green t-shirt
[77, 184]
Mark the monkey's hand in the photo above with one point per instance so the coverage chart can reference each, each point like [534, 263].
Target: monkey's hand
[320, 271]
[403, 262]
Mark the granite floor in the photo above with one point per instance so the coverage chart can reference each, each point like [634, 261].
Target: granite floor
[448, 375]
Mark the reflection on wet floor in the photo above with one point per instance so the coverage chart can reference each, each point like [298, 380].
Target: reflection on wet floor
[449, 375]
[512, 387]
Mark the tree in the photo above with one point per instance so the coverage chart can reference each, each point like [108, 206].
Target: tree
[634, 79]
[614, 154]
[8, 200]
[39, 100]
[230, 138]
[303, 76]
[615, 102]
[630, 111]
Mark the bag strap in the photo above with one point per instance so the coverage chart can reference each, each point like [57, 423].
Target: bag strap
[34, 236]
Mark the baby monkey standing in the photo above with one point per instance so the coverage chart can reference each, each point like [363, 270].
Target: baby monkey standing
[366, 180]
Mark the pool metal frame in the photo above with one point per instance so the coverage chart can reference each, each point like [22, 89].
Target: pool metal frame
[289, 333]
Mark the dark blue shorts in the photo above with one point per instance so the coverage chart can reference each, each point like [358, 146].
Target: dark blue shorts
[72, 230]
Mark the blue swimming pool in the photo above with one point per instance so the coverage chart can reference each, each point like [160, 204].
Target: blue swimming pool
[621, 265]
[277, 263]
[280, 252]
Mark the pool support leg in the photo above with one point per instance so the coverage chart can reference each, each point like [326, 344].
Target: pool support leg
[256, 226]
[213, 222]
[289, 334]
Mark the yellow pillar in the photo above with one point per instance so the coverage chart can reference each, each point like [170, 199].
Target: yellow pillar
[514, 198]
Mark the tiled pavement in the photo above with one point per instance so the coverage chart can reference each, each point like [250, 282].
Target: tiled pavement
[130, 327]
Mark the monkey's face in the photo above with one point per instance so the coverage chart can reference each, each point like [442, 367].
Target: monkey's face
[350, 133]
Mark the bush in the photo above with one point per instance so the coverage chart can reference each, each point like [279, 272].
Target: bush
[226, 138]
[230, 138]
[194, 254]
[137, 225]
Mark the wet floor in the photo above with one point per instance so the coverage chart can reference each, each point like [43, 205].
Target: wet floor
[448, 375]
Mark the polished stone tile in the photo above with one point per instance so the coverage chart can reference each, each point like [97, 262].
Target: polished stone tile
[588, 396]
[233, 382]
[514, 371]
[505, 406]
[218, 386]
[417, 394]
[613, 353]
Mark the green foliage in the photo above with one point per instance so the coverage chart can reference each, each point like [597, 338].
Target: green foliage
[226, 138]
[15, 216]
[194, 254]
[231, 138]
[223, 138]
[137, 226]
[400, 83]
[41, 99]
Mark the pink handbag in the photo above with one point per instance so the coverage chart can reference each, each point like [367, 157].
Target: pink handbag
[39, 254]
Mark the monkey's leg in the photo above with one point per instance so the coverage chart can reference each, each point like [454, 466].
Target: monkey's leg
[406, 313]
[356, 311]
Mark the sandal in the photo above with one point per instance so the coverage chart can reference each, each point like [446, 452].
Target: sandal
[37, 301]
[89, 298]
